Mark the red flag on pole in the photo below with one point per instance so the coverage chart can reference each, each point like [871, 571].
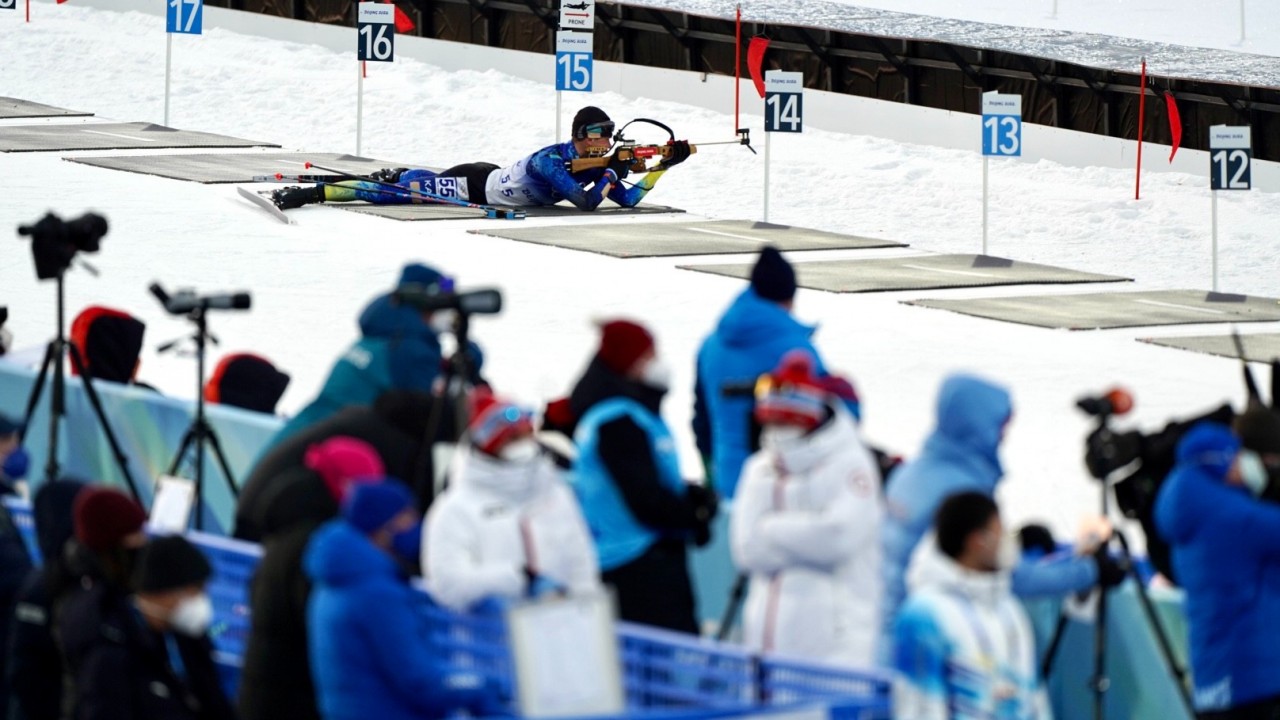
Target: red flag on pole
[755, 59]
[403, 23]
[1175, 122]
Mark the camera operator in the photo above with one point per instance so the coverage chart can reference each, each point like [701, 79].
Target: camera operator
[1226, 552]
[399, 349]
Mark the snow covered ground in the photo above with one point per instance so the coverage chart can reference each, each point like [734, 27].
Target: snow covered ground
[309, 280]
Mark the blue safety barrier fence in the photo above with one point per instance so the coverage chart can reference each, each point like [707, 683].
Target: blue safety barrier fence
[666, 675]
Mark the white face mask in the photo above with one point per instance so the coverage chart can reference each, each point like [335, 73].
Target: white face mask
[775, 436]
[1253, 472]
[442, 321]
[192, 616]
[520, 451]
[657, 375]
[1009, 553]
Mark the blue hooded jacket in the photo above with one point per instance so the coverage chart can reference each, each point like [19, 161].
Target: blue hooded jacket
[371, 654]
[1226, 552]
[961, 455]
[750, 339]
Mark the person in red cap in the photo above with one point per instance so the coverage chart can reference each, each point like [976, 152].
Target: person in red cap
[276, 679]
[641, 512]
[806, 522]
[507, 526]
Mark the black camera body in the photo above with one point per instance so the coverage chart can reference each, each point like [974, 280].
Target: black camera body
[55, 242]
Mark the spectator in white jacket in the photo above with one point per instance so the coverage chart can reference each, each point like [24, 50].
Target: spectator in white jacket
[806, 521]
[963, 646]
[508, 526]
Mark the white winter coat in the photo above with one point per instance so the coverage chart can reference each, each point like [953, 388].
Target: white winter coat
[806, 526]
[964, 648]
[495, 519]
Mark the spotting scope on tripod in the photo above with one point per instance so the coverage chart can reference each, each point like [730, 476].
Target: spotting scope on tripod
[196, 308]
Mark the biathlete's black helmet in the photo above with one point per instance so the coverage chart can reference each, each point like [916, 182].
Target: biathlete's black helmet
[591, 120]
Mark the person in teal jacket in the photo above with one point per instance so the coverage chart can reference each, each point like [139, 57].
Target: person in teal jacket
[399, 349]
[751, 337]
[370, 650]
[1226, 552]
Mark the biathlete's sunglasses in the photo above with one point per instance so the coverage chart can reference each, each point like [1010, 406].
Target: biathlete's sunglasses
[595, 131]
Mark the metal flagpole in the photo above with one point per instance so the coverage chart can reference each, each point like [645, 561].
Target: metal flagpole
[1215, 239]
[168, 66]
[768, 140]
[985, 163]
[359, 104]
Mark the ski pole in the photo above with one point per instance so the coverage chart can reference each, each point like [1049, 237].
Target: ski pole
[490, 211]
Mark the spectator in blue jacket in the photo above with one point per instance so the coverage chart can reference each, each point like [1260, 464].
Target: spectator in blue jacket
[1226, 552]
[962, 455]
[749, 340]
[371, 655]
[399, 349]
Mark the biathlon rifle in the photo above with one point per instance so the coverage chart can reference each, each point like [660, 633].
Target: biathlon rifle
[637, 158]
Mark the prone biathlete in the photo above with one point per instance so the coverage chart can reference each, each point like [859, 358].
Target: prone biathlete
[541, 179]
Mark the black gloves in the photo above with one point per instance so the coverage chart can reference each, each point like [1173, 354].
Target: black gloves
[679, 153]
[704, 504]
[1111, 571]
[620, 168]
[388, 175]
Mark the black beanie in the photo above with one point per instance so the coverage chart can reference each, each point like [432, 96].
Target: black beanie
[586, 116]
[168, 563]
[773, 278]
[1259, 430]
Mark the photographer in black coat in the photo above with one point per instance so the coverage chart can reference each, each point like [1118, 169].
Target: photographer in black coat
[395, 426]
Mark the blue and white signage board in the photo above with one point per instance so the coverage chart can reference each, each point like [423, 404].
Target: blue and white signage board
[1230, 157]
[578, 15]
[783, 101]
[1230, 168]
[1001, 125]
[184, 17]
[574, 53]
[376, 32]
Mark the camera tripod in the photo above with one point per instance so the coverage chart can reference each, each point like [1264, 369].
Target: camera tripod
[1100, 682]
[199, 432]
[53, 358]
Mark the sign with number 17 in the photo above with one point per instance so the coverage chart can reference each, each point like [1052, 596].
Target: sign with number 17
[185, 17]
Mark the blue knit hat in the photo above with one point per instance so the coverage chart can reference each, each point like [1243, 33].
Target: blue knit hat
[423, 276]
[369, 507]
[773, 278]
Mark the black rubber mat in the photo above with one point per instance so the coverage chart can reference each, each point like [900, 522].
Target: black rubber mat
[450, 212]
[918, 272]
[1116, 309]
[110, 136]
[11, 108]
[235, 167]
[1258, 347]
[713, 237]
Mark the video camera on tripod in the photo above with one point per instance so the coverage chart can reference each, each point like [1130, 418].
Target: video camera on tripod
[55, 242]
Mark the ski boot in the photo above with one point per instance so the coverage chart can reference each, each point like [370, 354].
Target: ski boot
[294, 197]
